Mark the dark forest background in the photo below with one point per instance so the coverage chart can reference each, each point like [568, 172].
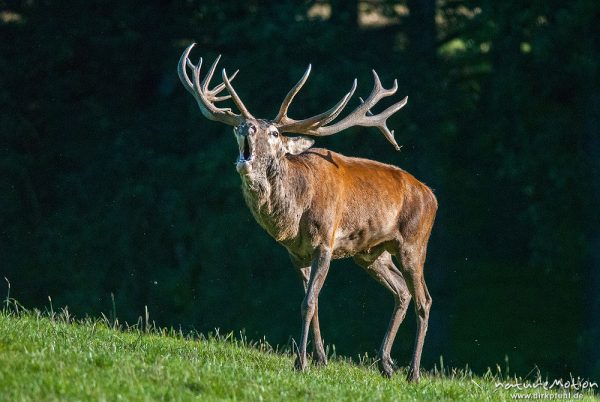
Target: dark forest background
[111, 181]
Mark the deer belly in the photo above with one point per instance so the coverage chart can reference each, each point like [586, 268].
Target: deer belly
[350, 242]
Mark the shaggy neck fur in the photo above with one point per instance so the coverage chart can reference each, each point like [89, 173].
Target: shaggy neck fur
[271, 193]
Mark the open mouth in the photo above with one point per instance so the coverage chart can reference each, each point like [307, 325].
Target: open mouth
[245, 150]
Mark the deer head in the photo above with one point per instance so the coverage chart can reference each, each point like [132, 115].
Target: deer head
[262, 142]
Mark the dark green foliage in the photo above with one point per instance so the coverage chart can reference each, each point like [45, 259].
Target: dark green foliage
[111, 182]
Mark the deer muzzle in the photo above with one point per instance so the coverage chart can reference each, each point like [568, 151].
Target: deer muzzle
[246, 148]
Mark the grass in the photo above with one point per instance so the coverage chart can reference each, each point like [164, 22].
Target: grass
[49, 356]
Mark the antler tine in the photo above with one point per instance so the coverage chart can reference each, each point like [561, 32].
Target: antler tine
[286, 124]
[315, 122]
[205, 97]
[361, 116]
[181, 69]
[379, 91]
[235, 96]
[335, 111]
[211, 71]
[221, 86]
[282, 115]
[209, 76]
[389, 134]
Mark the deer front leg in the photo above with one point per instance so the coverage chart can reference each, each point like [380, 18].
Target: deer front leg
[318, 273]
[319, 355]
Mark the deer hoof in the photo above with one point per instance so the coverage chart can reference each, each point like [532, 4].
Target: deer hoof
[386, 368]
[300, 364]
[319, 359]
[413, 376]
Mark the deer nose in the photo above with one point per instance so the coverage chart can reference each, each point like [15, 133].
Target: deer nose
[245, 129]
[250, 129]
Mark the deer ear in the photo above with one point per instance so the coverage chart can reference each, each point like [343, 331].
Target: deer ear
[297, 145]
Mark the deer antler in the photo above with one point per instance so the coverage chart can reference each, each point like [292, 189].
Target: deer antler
[206, 97]
[317, 125]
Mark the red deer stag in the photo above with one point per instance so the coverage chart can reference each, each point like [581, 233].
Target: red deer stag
[321, 205]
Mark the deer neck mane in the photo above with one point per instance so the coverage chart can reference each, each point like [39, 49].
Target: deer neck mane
[272, 194]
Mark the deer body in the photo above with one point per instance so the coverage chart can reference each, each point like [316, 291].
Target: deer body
[321, 205]
[353, 205]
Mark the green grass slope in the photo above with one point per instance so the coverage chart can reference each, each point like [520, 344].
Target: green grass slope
[51, 357]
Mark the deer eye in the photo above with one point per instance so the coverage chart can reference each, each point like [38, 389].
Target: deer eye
[274, 133]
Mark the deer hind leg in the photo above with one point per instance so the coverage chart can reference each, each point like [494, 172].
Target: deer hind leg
[319, 355]
[412, 258]
[385, 272]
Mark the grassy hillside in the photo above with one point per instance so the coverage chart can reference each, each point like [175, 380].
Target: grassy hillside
[51, 357]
